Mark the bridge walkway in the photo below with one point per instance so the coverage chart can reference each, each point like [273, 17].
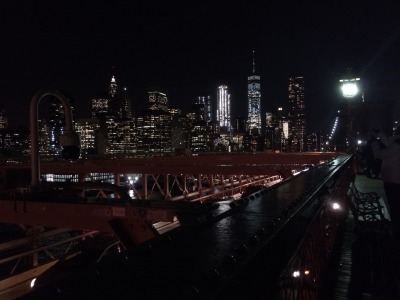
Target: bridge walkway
[368, 267]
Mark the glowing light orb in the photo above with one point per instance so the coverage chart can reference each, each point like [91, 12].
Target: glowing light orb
[349, 89]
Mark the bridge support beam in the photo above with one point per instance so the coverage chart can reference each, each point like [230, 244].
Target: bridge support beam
[167, 194]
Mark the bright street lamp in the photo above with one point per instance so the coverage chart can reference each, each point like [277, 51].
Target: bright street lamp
[349, 87]
[349, 90]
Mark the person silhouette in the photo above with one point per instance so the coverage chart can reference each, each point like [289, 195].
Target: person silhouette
[390, 156]
[372, 163]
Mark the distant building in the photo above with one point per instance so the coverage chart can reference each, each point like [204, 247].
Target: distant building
[208, 107]
[240, 124]
[269, 135]
[86, 129]
[115, 133]
[121, 137]
[112, 91]
[3, 118]
[101, 106]
[43, 137]
[199, 137]
[158, 100]
[197, 112]
[174, 111]
[125, 111]
[114, 102]
[296, 113]
[239, 132]
[180, 132]
[254, 101]
[14, 142]
[56, 122]
[276, 131]
[153, 132]
[316, 142]
[213, 131]
[224, 108]
[237, 140]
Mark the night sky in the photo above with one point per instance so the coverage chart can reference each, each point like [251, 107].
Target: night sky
[189, 47]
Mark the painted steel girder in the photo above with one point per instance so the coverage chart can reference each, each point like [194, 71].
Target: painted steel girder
[235, 163]
[136, 221]
[206, 186]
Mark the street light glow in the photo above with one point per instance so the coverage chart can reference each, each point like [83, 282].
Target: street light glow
[349, 89]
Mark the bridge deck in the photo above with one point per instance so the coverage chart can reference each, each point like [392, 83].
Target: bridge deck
[236, 249]
[367, 267]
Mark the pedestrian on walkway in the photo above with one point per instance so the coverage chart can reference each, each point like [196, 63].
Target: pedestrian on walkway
[368, 157]
[376, 145]
[373, 163]
[390, 156]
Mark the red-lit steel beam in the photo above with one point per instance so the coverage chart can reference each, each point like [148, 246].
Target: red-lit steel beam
[236, 163]
[135, 222]
[226, 164]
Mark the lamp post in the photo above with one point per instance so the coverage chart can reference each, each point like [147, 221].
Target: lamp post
[349, 91]
[69, 139]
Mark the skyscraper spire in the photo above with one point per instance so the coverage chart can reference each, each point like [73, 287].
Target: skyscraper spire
[126, 109]
[113, 85]
[254, 63]
[254, 100]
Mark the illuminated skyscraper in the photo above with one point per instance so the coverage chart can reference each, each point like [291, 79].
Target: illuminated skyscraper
[14, 141]
[120, 136]
[198, 136]
[86, 128]
[153, 126]
[197, 113]
[115, 133]
[114, 102]
[126, 107]
[175, 111]
[43, 137]
[153, 131]
[254, 100]
[158, 100]
[3, 118]
[102, 105]
[180, 132]
[206, 101]
[297, 117]
[119, 123]
[224, 107]
[56, 122]
[113, 87]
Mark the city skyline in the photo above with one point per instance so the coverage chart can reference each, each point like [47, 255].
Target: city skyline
[190, 50]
